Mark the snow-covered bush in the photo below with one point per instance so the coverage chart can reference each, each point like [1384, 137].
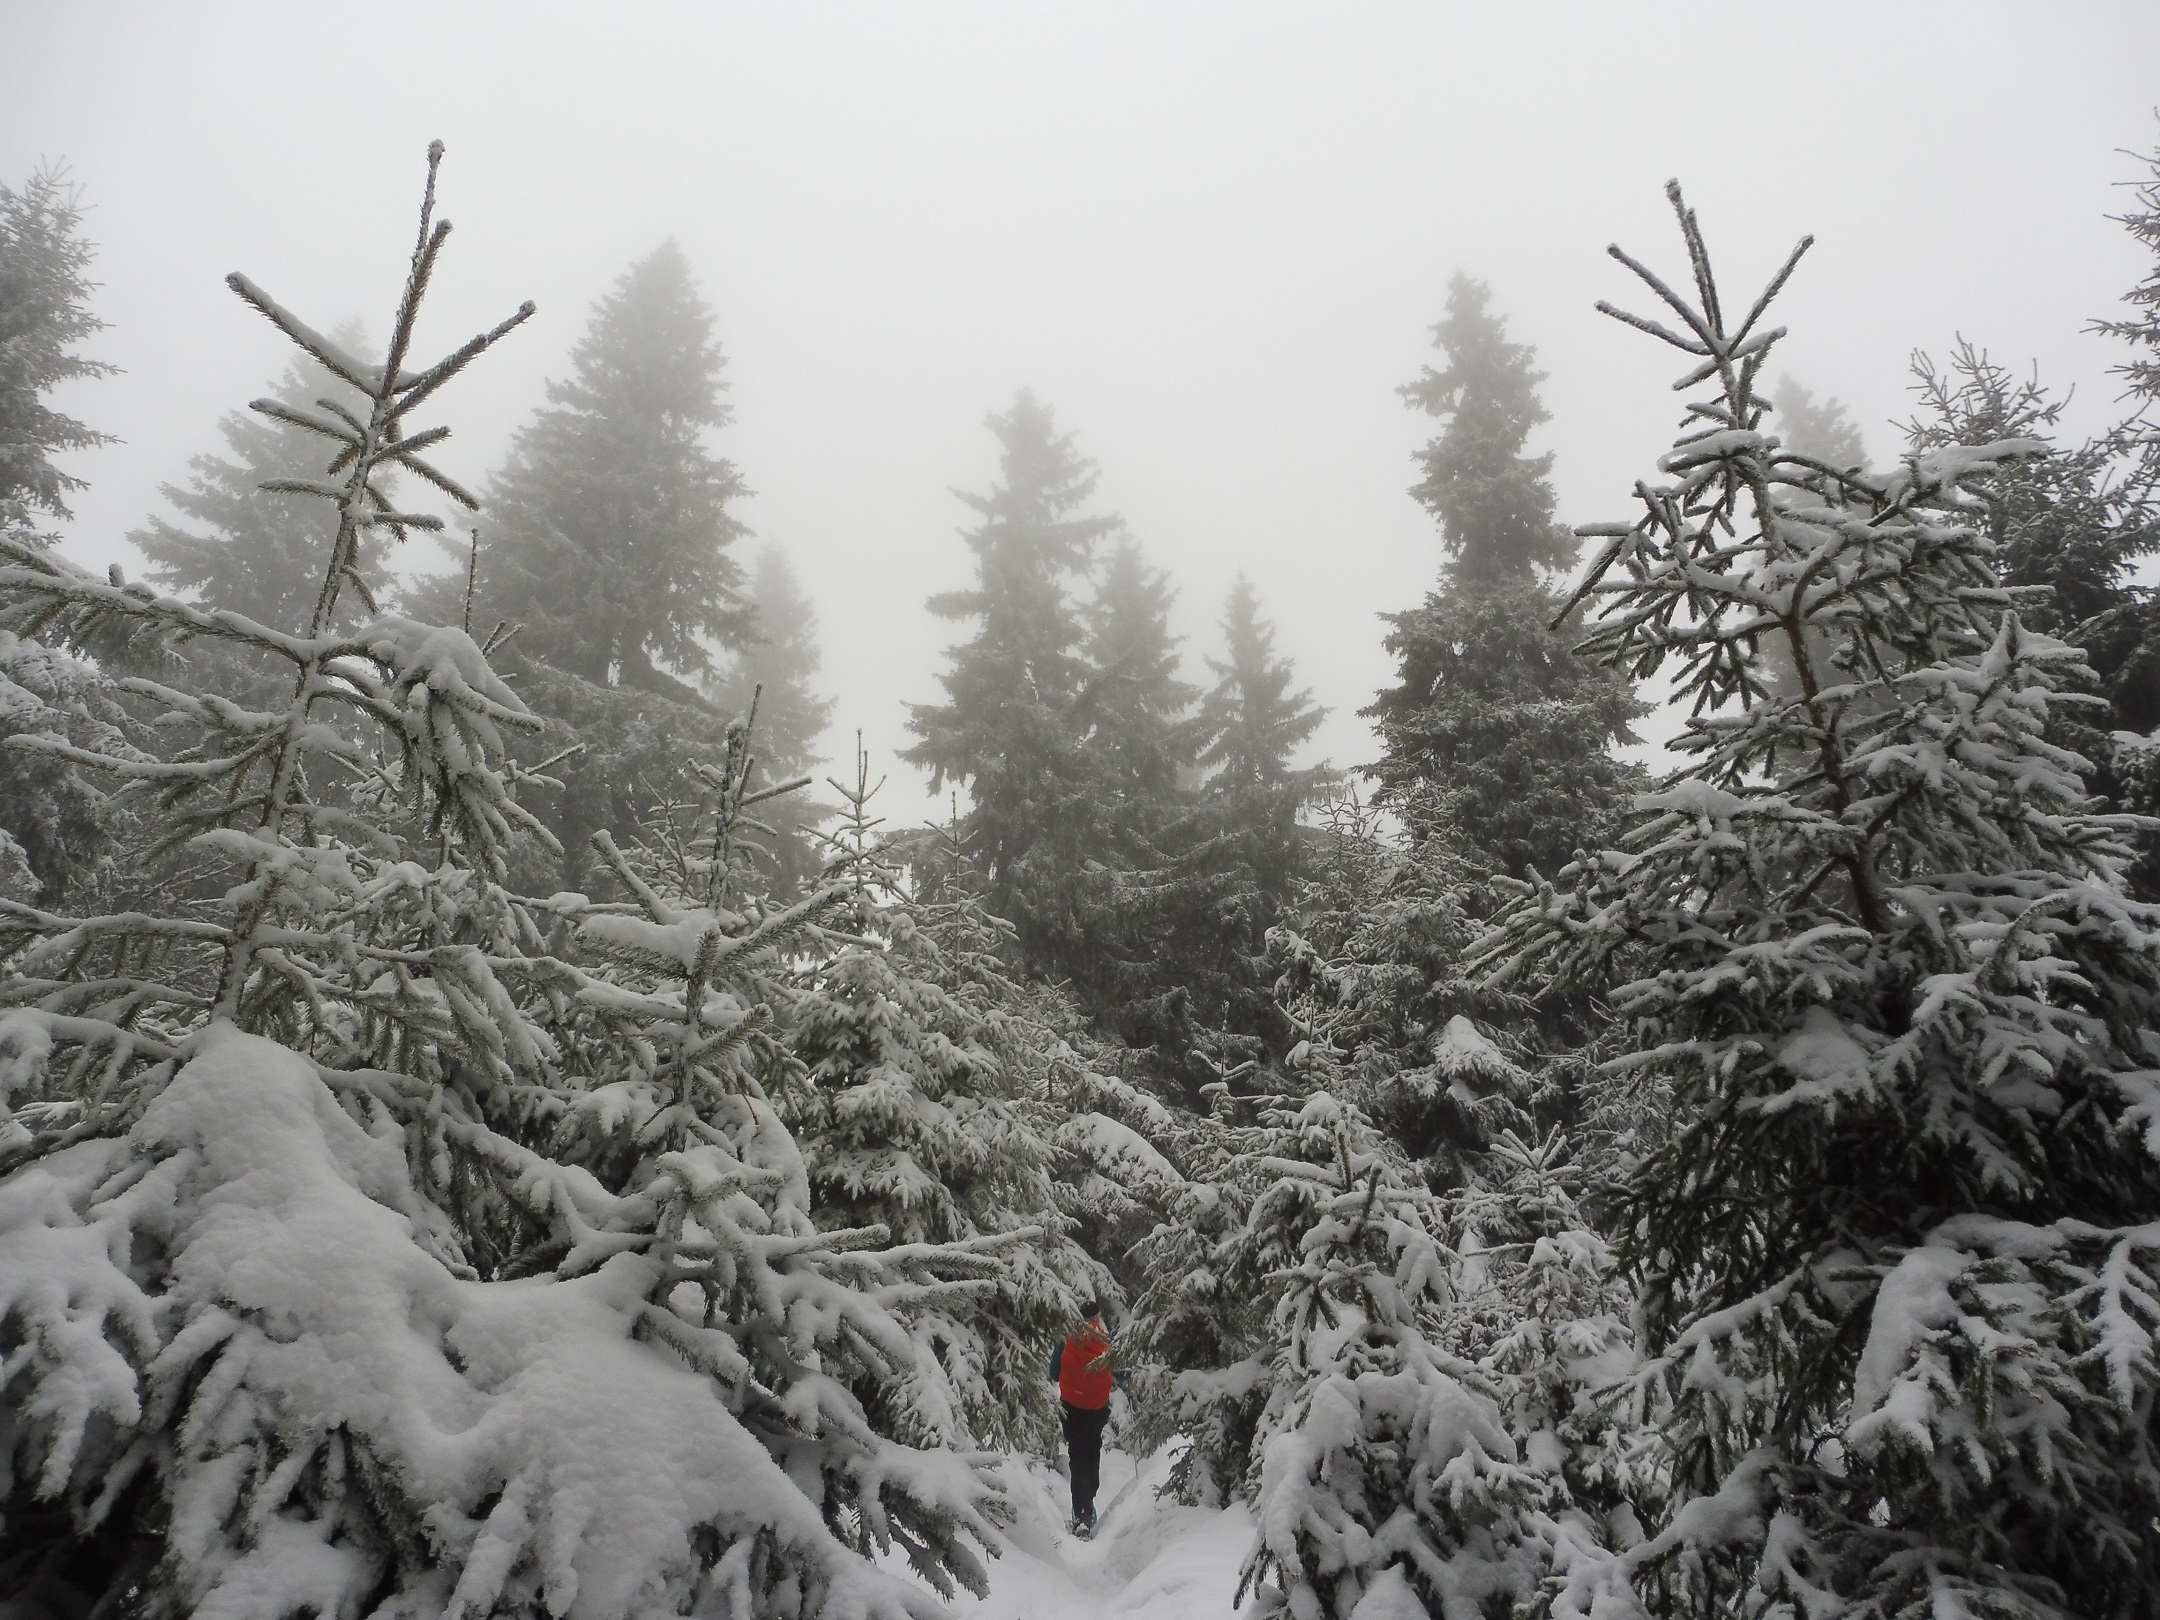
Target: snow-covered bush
[1373, 987]
[1901, 1272]
[375, 1241]
[55, 819]
[915, 1114]
[1386, 1476]
[241, 1384]
[1198, 1329]
[1542, 1308]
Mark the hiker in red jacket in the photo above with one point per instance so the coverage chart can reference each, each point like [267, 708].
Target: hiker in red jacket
[1081, 1366]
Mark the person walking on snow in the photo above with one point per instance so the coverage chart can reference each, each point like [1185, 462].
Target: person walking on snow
[1082, 1370]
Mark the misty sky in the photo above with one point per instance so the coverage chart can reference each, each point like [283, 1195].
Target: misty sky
[1212, 236]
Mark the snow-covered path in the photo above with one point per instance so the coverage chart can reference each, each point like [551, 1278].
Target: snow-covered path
[1150, 1559]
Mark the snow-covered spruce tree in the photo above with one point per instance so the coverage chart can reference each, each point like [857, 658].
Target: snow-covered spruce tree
[2131, 628]
[1111, 1139]
[2141, 329]
[55, 830]
[1386, 1480]
[2074, 523]
[44, 315]
[688, 1054]
[56, 824]
[1545, 1311]
[2067, 522]
[1380, 1008]
[1195, 1336]
[1010, 727]
[1414, 1392]
[913, 1115]
[1900, 1270]
[357, 1255]
[1114, 1174]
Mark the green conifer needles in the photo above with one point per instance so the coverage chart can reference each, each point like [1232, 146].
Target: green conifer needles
[1900, 1273]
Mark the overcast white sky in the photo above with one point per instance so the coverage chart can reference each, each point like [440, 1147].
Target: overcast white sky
[1212, 235]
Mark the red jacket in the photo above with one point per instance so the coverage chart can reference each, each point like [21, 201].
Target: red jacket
[1082, 1369]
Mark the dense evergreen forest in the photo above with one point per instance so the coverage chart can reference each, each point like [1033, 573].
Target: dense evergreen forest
[494, 1121]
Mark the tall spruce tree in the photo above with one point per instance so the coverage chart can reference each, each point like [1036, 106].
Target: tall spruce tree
[1138, 709]
[1131, 910]
[55, 827]
[1494, 503]
[1013, 728]
[608, 555]
[44, 316]
[1897, 1250]
[611, 535]
[2131, 631]
[1496, 737]
[1254, 722]
[2141, 330]
[779, 667]
[1246, 821]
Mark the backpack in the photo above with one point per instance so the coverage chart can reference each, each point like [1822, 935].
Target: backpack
[1084, 1375]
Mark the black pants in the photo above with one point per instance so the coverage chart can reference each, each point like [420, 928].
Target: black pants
[1083, 1445]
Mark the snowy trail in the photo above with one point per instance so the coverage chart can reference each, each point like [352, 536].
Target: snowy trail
[1150, 1559]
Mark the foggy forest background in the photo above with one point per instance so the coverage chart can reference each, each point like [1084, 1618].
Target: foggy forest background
[509, 1104]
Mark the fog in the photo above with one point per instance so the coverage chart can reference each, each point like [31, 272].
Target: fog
[1212, 236]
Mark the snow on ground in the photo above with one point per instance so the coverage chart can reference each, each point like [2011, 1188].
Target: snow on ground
[1150, 1560]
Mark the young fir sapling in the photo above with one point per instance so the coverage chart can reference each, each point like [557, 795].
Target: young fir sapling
[373, 1239]
[1899, 1265]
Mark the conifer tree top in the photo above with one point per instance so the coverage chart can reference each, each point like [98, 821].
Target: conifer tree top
[2141, 373]
[613, 534]
[1254, 721]
[650, 349]
[1494, 504]
[1032, 540]
[1031, 533]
